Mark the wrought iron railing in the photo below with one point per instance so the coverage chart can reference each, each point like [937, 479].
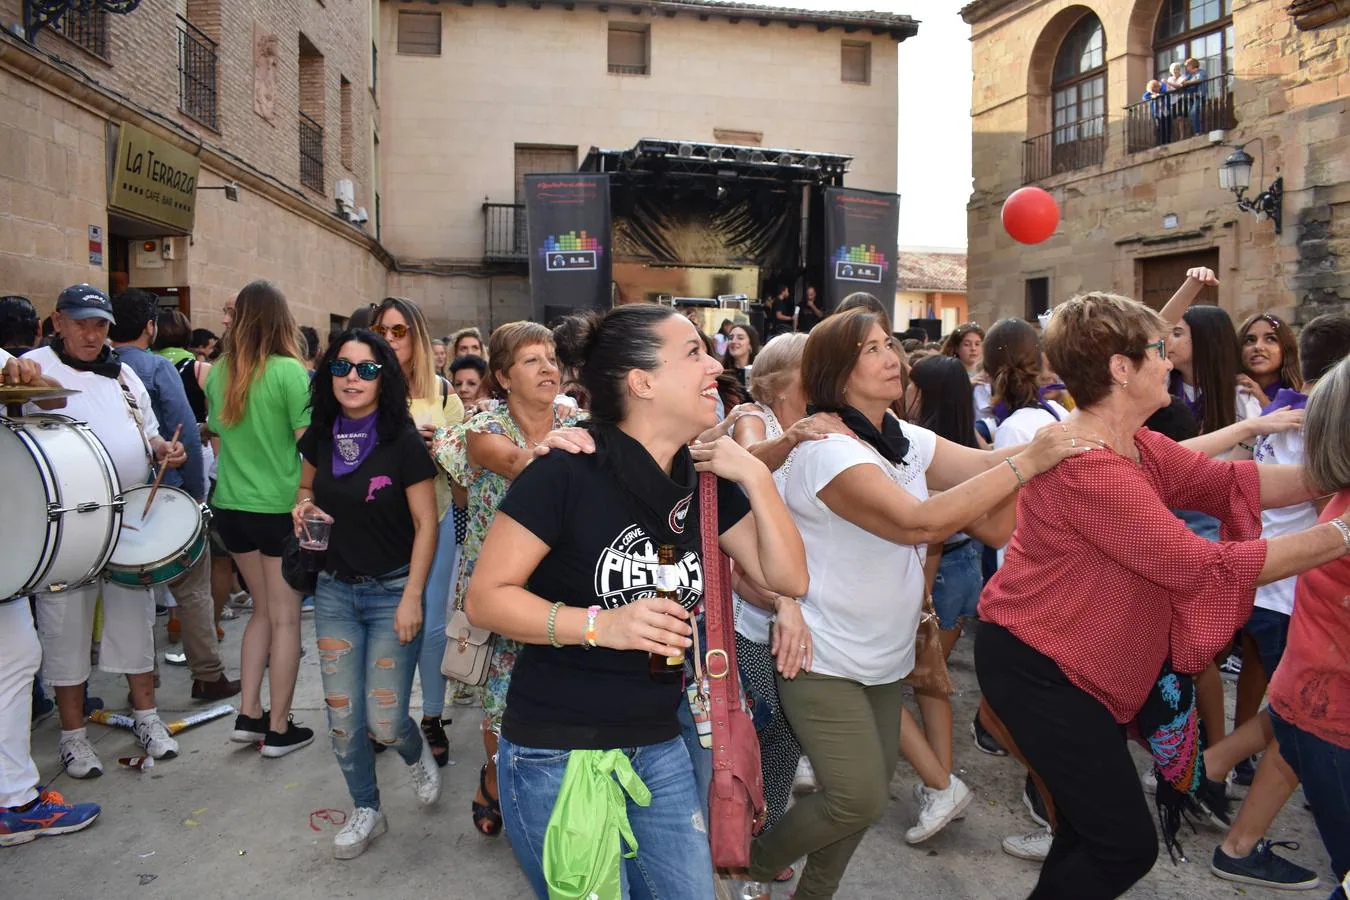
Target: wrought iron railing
[504, 235]
[196, 74]
[1074, 146]
[88, 30]
[311, 153]
[1199, 108]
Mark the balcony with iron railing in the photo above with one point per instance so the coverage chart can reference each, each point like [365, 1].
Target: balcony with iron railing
[197, 74]
[311, 153]
[87, 29]
[505, 238]
[1076, 145]
[1198, 108]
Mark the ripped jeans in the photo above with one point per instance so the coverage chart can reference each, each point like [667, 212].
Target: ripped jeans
[367, 676]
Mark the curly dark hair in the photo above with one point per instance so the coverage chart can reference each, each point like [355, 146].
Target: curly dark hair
[393, 393]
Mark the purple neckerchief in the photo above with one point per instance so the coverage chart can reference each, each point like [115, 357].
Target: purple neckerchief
[353, 439]
[1176, 387]
[1286, 398]
[1002, 412]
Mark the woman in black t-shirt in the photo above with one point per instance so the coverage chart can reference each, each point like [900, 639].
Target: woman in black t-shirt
[366, 468]
[583, 530]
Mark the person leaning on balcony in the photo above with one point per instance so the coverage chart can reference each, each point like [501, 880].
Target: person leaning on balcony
[1159, 106]
[1197, 90]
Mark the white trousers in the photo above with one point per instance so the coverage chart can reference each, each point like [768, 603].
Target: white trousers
[20, 654]
[65, 624]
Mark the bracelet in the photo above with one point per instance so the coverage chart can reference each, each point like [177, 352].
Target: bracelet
[1021, 482]
[1344, 529]
[591, 613]
[1250, 448]
[552, 621]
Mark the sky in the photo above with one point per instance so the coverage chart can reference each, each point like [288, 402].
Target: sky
[933, 163]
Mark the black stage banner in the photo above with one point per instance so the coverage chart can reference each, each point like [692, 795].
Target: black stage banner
[570, 252]
[861, 230]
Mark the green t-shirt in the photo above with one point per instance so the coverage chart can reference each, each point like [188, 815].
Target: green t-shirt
[259, 465]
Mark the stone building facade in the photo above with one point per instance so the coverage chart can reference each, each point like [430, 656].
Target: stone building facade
[366, 141]
[1058, 102]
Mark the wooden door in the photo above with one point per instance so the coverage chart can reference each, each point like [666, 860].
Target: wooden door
[532, 159]
[1162, 275]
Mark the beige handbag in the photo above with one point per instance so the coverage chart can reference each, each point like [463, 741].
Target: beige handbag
[468, 650]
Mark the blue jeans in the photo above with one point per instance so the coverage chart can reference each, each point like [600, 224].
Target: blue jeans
[956, 590]
[1324, 769]
[673, 860]
[436, 599]
[367, 677]
[699, 755]
[1270, 631]
[1202, 524]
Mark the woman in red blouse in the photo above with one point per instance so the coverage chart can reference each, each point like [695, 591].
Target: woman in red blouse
[1102, 585]
[1310, 691]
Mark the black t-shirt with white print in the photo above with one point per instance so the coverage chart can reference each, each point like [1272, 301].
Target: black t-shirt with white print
[578, 699]
[372, 526]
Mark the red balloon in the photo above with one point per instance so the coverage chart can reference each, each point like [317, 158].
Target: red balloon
[1030, 215]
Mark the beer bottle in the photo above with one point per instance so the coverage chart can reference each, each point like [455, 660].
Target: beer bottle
[663, 668]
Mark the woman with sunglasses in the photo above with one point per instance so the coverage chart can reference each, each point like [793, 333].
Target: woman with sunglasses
[366, 469]
[484, 455]
[433, 406]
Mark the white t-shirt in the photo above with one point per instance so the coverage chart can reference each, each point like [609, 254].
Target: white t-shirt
[102, 407]
[866, 593]
[1021, 426]
[1245, 405]
[1285, 448]
[753, 623]
[984, 399]
[4, 357]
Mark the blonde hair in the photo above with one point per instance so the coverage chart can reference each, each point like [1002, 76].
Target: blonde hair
[780, 359]
[423, 379]
[262, 327]
[463, 333]
[1153, 86]
[1326, 431]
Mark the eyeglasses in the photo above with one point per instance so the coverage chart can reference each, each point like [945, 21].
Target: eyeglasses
[1160, 345]
[366, 371]
[397, 332]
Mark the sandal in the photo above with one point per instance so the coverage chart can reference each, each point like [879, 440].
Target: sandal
[487, 817]
[433, 732]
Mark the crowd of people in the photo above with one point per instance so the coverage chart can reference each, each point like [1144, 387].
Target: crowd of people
[523, 513]
[1178, 96]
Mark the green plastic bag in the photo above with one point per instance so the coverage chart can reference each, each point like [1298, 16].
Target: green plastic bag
[590, 816]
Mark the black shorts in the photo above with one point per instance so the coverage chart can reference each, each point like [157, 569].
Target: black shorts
[245, 532]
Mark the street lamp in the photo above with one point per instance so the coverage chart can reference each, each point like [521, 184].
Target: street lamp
[1236, 175]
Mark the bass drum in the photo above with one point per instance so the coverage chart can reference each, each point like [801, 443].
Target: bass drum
[63, 509]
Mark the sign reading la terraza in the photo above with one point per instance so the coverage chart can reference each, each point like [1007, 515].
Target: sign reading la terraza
[152, 179]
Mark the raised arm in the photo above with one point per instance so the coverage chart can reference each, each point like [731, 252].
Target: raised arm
[1196, 281]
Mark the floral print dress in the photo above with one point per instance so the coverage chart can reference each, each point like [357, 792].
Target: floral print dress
[486, 490]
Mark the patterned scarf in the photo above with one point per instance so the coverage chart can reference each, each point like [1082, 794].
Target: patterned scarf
[1169, 724]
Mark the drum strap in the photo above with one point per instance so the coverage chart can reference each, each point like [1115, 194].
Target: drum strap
[134, 410]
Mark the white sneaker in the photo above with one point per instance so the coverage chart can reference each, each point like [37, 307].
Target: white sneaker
[1034, 846]
[805, 780]
[426, 777]
[155, 738]
[939, 809]
[363, 826]
[79, 758]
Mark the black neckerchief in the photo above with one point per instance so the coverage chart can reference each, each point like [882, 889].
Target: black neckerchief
[108, 363]
[661, 502]
[889, 441]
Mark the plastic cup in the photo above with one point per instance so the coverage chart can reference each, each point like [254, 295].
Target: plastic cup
[314, 531]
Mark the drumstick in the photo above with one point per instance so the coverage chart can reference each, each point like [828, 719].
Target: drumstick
[154, 488]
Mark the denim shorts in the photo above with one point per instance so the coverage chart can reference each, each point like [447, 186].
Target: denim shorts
[956, 590]
[1270, 631]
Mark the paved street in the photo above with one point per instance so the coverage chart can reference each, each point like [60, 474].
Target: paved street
[222, 821]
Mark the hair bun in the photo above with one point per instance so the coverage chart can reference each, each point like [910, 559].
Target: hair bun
[574, 337]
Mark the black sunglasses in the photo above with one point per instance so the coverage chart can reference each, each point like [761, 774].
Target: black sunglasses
[366, 371]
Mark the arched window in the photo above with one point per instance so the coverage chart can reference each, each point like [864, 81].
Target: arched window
[1078, 92]
[1198, 29]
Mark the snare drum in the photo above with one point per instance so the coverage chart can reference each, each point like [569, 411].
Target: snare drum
[169, 542]
[62, 506]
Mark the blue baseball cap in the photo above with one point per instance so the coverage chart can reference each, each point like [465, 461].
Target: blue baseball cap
[84, 301]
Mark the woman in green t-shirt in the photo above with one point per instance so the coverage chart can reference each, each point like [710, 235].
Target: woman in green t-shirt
[258, 402]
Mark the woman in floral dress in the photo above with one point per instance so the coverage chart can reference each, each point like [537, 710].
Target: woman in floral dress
[484, 455]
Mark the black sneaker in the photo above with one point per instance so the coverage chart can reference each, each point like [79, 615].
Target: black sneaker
[1244, 772]
[248, 730]
[1263, 868]
[279, 743]
[1031, 799]
[984, 741]
[1212, 799]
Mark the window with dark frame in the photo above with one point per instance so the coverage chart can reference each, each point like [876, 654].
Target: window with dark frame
[1038, 297]
[197, 74]
[87, 30]
[311, 115]
[1199, 29]
[419, 33]
[855, 62]
[346, 137]
[629, 48]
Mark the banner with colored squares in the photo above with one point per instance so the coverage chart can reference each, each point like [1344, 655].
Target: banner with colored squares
[863, 226]
[865, 254]
[569, 224]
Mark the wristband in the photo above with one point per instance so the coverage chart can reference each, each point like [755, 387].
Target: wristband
[552, 621]
[1250, 448]
[1021, 482]
[591, 613]
[1344, 529]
